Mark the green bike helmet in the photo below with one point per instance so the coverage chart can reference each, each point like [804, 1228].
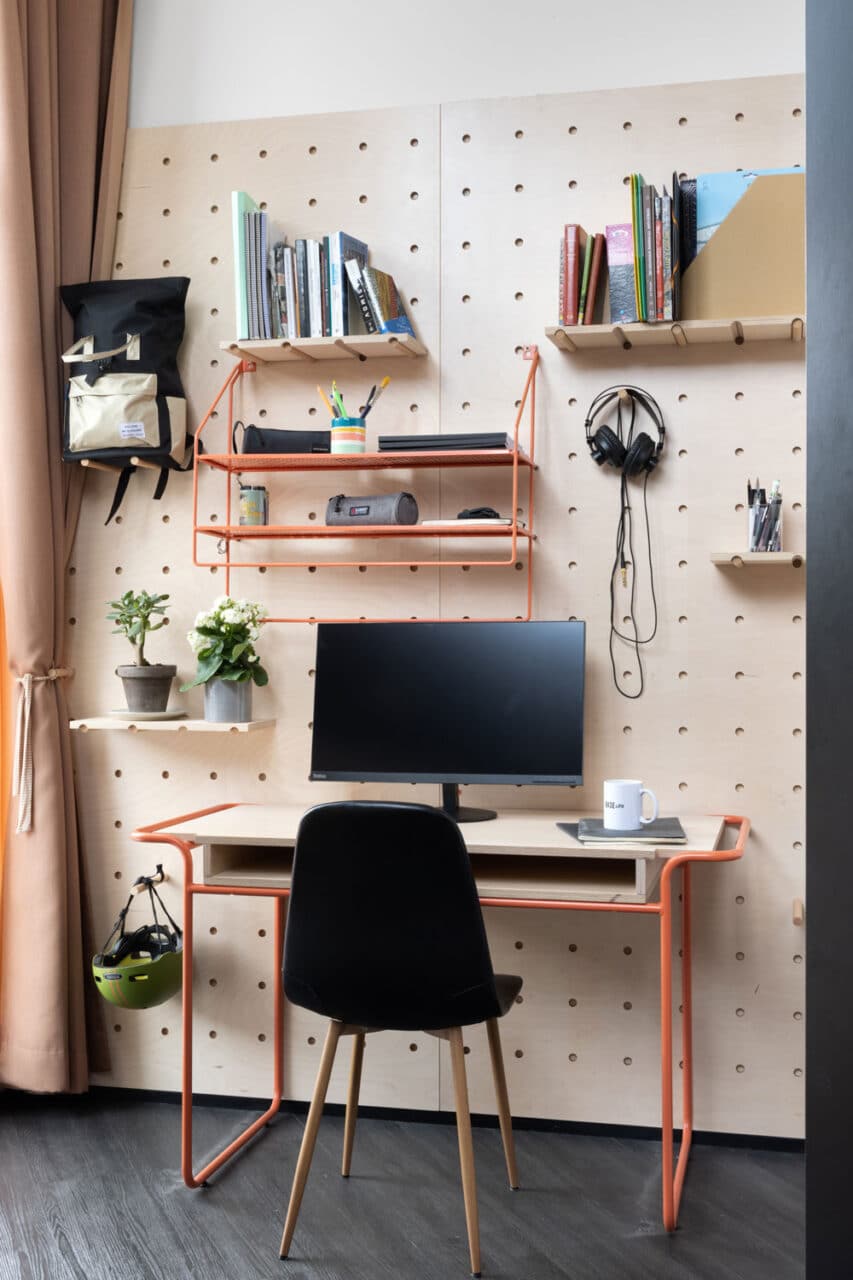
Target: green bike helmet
[144, 968]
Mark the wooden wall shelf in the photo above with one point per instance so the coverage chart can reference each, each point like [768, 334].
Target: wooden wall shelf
[416, 460]
[758, 559]
[449, 529]
[357, 346]
[681, 333]
[99, 723]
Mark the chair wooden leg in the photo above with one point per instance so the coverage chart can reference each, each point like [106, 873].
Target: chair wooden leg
[352, 1101]
[466, 1146]
[502, 1097]
[309, 1138]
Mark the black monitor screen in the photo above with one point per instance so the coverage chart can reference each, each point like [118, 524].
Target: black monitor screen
[498, 702]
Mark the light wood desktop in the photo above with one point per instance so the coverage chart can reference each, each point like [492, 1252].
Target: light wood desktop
[520, 859]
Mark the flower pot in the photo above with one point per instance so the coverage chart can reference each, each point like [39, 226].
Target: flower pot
[147, 688]
[228, 700]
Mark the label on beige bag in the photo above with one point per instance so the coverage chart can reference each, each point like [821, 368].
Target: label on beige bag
[132, 430]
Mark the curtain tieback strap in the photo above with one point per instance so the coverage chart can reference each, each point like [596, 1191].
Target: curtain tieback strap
[22, 770]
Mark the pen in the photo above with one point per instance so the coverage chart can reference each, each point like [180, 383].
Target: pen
[327, 402]
[336, 396]
[383, 384]
[369, 401]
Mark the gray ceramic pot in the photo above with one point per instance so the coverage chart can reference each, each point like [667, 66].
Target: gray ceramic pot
[228, 700]
[147, 688]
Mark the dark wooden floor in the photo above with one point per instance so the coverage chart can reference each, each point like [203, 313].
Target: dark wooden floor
[89, 1190]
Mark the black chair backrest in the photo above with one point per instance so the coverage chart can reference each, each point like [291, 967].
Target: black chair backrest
[384, 926]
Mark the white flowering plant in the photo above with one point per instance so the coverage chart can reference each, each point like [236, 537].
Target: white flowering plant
[223, 640]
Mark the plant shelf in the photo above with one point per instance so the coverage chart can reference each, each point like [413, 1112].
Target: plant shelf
[758, 559]
[680, 333]
[356, 346]
[98, 723]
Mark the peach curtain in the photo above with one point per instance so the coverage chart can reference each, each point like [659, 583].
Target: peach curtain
[64, 71]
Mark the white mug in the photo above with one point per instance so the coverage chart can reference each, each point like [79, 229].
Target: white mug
[623, 804]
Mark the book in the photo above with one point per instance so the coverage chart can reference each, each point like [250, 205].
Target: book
[648, 209]
[450, 440]
[241, 204]
[666, 250]
[251, 274]
[291, 305]
[687, 187]
[265, 320]
[302, 295]
[385, 302]
[327, 286]
[561, 296]
[658, 259]
[358, 292]
[315, 289]
[587, 266]
[598, 257]
[620, 270]
[574, 238]
[593, 831]
[637, 243]
[676, 247]
[345, 313]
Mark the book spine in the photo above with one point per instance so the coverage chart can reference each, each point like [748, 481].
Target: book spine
[658, 260]
[561, 304]
[251, 267]
[572, 238]
[337, 291]
[649, 248]
[637, 233]
[620, 266]
[327, 287]
[587, 266]
[594, 276]
[263, 275]
[666, 218]
[302, 288]
[356, 284]
[315, 289]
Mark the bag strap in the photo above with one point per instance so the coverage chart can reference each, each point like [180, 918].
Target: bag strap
[83, 350]
[237, 424]
[121, 489]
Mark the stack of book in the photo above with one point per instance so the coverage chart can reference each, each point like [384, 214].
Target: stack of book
[592, 831]
[581, 260]
[311, 289]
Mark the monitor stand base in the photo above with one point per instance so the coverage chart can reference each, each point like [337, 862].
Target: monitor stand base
[462, 813]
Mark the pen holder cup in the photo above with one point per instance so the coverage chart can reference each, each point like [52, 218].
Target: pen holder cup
[348, 435]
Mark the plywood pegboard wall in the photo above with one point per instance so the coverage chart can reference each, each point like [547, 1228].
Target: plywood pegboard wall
[465, 205]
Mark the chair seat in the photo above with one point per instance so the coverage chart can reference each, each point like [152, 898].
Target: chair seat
[507, 987]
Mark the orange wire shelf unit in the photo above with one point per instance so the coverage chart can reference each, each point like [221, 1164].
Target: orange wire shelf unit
[509, 539]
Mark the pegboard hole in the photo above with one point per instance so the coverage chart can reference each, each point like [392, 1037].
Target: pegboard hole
[738, 617]
[627, 951]
[626, 729]
[627, 1061]
[798, 844]
[165, 773]
[117, 773]
[214, 208]
[573, 1004]
[466, 191]
[740, 1068]
[795, 506]
[519, 187]
[362, 199]
[519, 296]
[214, 311]
[72, 622]
[213, 930]
[682, 675]
[798, 959]
[796, 788]
[796, 394]
[466, 297]
[212, 982]
[262, 933]
[798, 1071]
[573, 1057]
[167, 213]
[466, 244]
[738, 675]
[467, 1049]
[262, 154]
[413, 248]
[739, 899]
[796, 450]
[214, 157]
[116, 875]
[413, 142]
[414, 301]
[119, 266]
[312, 1040]
[214, 260]
[262, 777]
[312, 202]
[519, 946]
[572, 184]
[519, 1053]
[682, 453]
[798, 733]
[626, 181]
[261, 1037]
[362, 146]
[739, 955]
[738, 453]
[682, 729]
[362, 568]
[798, 1016]
[739, 786]
[739, 116]
[796, 113]
[682, 564]
[739, 1013]
[682, 120]
[739, 731]
[212, 1035]
[573, 946]
[518, 242]
[262, 986]
[466, 404]
[166, 262]
[117, 824]
[682, 618]
[466, 137]
[519, 133]
[164, 1031]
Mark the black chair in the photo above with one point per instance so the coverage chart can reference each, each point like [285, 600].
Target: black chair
[385, 932]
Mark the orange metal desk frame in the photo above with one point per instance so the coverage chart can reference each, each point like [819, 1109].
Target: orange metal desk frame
[673, 1173]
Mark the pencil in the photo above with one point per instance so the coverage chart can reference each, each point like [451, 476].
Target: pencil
[327, 402]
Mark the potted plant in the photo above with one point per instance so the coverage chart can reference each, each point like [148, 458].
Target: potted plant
[146, 685]
[223, 641]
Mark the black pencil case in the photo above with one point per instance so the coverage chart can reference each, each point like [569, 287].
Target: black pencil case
[268, 440]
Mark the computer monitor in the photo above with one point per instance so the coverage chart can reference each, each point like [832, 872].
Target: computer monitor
[449, 702]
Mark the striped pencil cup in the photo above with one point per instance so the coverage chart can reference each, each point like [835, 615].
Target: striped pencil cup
[348, 435]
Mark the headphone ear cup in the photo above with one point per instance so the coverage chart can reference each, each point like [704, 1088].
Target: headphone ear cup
[607, 447]
[641, 455]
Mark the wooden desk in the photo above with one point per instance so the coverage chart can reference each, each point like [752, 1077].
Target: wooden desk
[520, 859]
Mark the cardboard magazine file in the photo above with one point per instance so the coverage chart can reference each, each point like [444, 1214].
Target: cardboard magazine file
[754, 264]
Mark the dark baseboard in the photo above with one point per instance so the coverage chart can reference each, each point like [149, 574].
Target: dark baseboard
[104, 1093]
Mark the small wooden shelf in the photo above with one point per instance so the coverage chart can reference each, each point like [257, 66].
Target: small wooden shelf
[416, 460]
[758, 559]
[93, 723]
[462, 529]
[356, 346]
[680, 333]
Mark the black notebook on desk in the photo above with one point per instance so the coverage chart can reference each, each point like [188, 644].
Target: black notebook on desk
[593, 831]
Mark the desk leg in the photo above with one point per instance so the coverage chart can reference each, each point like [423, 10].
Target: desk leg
[673, 1175]
[200, 1179]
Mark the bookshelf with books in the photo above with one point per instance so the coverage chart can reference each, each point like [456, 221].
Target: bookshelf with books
[312, 300]
[718, 261]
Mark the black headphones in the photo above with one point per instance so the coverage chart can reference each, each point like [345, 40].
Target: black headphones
[630, 454]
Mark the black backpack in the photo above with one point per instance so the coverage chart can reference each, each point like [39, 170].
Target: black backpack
[125, 398]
